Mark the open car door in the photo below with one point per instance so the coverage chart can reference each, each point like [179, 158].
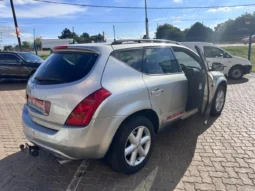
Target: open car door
[209, 88]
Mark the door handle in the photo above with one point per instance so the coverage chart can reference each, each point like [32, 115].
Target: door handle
[157, 91]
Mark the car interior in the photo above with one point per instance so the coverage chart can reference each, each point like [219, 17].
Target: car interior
[190, 65]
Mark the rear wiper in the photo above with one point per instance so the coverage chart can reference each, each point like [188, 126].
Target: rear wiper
[41, 79]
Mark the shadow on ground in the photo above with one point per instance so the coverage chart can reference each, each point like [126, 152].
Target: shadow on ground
[172, 155]
[240, 81]
[11, 85]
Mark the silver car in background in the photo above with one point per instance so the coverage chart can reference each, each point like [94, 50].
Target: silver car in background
[109, 100]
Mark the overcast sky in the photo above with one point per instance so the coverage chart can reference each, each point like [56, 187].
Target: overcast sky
[49, 20]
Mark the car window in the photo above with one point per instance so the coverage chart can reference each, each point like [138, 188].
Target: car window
[160, 61]
[29, 57]
[9, 59]
[132, 57]
[186, 57]
[66, 67]
[213, 52]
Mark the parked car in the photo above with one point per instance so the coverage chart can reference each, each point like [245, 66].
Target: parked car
[94, 100]
[234, 66]
[18, 64]
[246, 39]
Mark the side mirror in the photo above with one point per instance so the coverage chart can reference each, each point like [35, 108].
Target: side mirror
[226, 55]
[216, 66]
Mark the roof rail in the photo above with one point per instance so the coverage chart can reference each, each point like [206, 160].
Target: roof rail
[130, 41]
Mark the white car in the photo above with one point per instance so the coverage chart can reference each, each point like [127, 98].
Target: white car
[234, 66]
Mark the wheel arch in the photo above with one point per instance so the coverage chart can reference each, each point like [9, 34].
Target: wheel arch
[236, 65]
[149, 114]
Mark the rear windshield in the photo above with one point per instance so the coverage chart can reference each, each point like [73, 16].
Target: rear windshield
[65, 67]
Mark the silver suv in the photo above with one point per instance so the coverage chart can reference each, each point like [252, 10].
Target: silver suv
[109, 100]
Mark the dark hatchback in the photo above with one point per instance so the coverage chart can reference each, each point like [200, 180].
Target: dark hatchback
[20, 65]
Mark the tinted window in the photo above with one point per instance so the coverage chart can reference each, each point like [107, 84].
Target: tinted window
[186, 57]
[9, 59]
[160, 61]
[132, 57]
[29, 57]
[213, 52]
[65, 67]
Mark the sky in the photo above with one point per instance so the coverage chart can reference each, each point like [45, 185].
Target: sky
[48, 20]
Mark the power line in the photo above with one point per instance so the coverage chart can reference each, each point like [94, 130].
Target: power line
[125, 22]
[134, 7]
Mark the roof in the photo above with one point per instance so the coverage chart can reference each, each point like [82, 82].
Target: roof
[16, 52]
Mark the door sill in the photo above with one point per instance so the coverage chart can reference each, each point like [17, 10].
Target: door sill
[189, 113]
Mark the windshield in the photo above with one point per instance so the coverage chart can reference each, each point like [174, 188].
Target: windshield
[29, 57]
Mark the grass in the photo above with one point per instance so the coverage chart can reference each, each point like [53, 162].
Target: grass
[44, 56]
[242, 51]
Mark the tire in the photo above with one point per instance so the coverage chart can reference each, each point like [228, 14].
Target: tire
[117, 157]
[236, 72]
[214, 110]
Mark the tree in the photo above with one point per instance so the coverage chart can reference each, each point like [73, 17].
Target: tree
[38, 42]
[169, 32]
[84, 38]
[199, 32]
[234, 30]
[8, 47]
[97, 38]
[66, 33]
[26, 45]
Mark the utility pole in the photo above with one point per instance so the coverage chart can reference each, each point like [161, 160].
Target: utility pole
[16, 24]
[146, 21]
[1, 40]
[73, 34]
[248, 22]
[114, 32]
[35, 43]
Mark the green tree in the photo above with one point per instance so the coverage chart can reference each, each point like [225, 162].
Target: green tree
[84, 38]
[199, 32]
[97, 38]
[169, 32]
[8, 47]
[26, 45]
[38, 42]
[66, 33]
[234, 30]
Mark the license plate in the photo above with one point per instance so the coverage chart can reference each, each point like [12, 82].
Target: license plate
[40, 106]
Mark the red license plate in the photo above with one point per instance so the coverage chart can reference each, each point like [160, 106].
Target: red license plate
[41, 106]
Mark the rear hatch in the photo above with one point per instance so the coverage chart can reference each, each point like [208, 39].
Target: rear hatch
[61, 83]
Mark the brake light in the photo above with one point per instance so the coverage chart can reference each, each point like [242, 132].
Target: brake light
[83, 112]
[60, 47]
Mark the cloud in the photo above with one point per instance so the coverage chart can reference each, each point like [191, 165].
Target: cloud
[22, 2]
[177, 1]
[40, 10]
[221, 9]
[158, 19]
[224, 9]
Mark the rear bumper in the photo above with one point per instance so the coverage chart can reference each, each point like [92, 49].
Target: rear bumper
[72, 143]
[247, 69]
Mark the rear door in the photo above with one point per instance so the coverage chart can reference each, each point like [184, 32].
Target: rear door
[166, 83]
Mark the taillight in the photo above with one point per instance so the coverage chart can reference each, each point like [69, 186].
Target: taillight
[83, 112]
[60, 47]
